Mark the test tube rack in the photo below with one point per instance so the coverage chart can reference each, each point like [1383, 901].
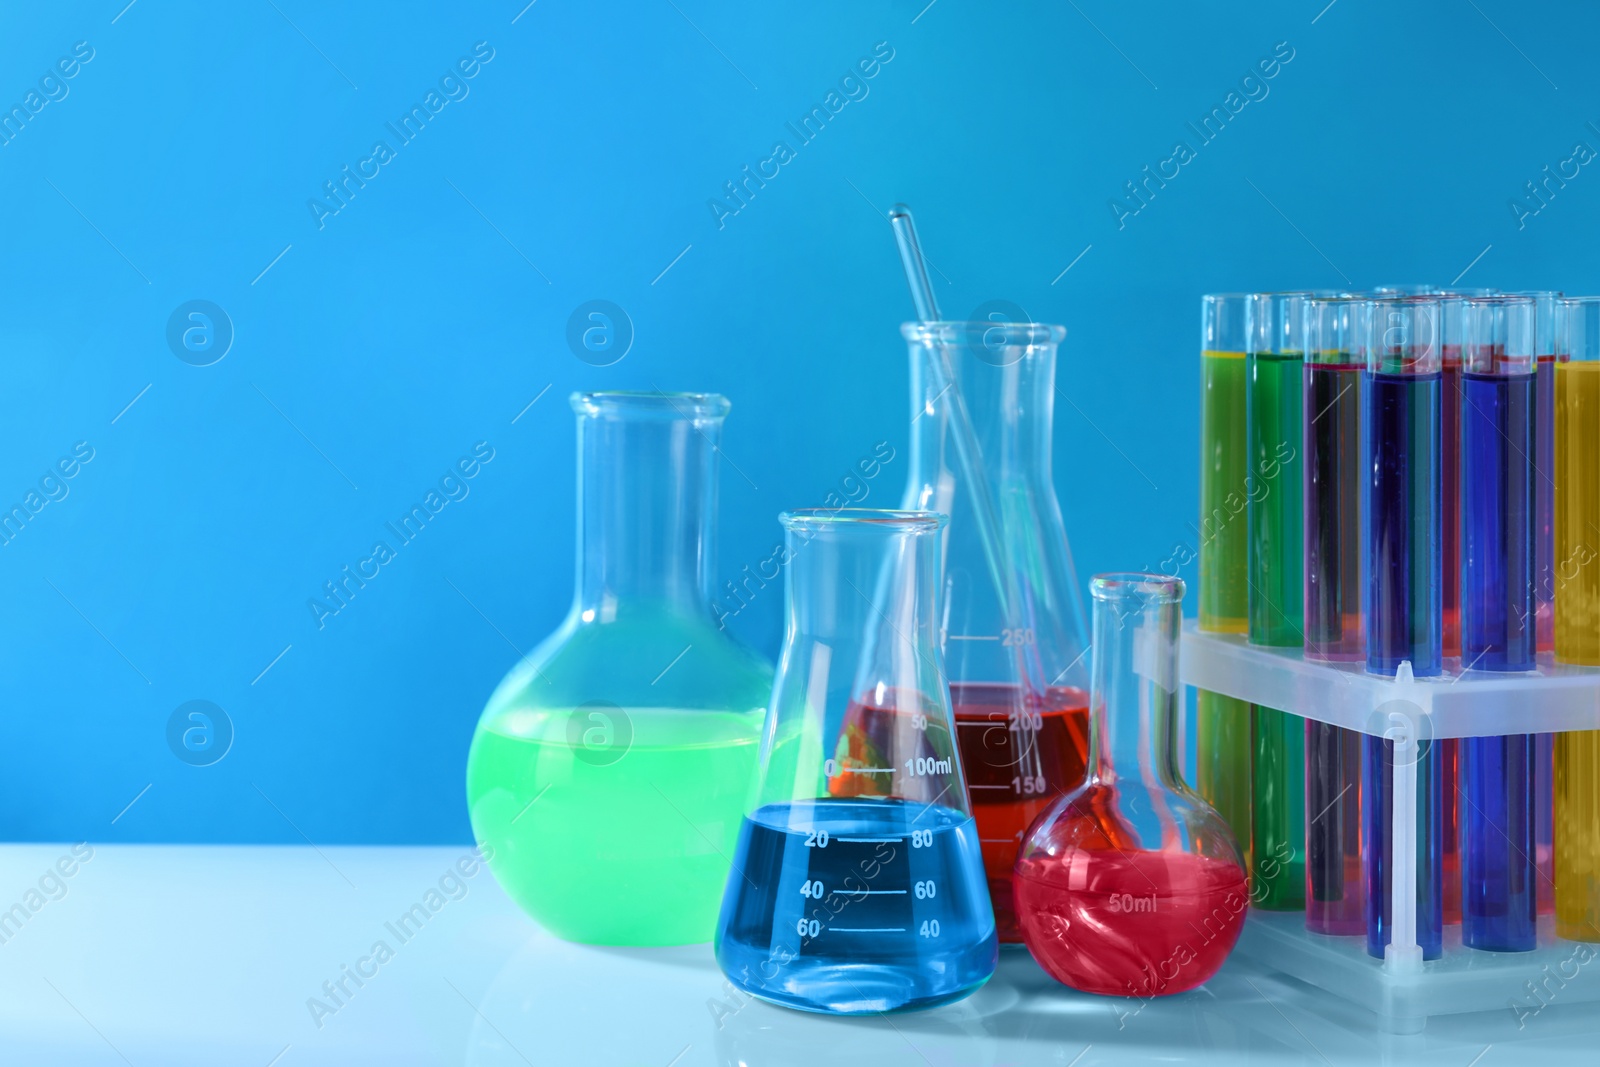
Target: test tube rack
[1403, 989]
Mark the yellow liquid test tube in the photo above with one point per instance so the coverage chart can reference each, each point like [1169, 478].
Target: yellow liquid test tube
[1577, 614]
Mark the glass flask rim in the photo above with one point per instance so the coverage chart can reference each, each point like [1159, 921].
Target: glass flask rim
[624, 402]
[1152, 588]
[957, 331]
[918, 521]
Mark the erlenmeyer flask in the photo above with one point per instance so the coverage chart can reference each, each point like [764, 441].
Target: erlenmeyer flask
[1133, 884]
[610, 768]
[857, 885]
[1012, 628]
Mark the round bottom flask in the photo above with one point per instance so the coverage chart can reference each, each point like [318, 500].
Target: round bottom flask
[1132, 885]
[610, 768]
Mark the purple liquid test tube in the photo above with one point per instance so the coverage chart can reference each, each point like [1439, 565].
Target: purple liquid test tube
[1335, 897]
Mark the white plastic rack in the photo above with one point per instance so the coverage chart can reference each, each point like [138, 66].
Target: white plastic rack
[1403, 989]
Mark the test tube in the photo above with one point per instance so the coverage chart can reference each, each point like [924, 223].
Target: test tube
[1399, 341]
[1500, 776]
[1223, 723]
[1577, 611]
[1335, 902]
[1452, 325]
[1274, 417]
[1407, 290]
[1546, 305]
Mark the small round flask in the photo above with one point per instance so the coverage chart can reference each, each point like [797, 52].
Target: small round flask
[1132, 884]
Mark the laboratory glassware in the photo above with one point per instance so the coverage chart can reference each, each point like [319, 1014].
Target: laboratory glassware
[1399, 343]
[1577, 611]
[857, 883]
[1132, 885]
[1222, 724]
[1547, 306]
[1274, 418]
[1334, 631]
[1500, 776]
[1452, 328]
[1011, 623]
[1406, 290]
[610, 768]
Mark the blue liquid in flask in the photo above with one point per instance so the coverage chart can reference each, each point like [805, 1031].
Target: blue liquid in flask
[856, 906]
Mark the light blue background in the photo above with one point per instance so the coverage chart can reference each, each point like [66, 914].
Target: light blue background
[429, 312]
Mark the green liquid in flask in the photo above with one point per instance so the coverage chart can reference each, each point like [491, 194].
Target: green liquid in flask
[614, 840]
[610, 769]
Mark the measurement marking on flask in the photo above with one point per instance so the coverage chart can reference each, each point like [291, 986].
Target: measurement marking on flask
[973, 637]
[921, 766]
[975, 785]
[998, 840]
[871, 892]
[872, 840]
[868, 929]
[830, 767]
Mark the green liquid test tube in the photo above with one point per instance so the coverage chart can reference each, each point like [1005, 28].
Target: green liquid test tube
[1223, 724]
[1274, 406]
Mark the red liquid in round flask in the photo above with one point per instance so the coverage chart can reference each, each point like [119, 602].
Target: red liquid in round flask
[1132, 885]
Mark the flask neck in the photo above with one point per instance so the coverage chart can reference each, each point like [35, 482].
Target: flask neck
[868, 585]
[647, 501]
[1134, 692]
[1009, 393]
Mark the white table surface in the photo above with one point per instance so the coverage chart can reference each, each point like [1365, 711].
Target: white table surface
[169, 955]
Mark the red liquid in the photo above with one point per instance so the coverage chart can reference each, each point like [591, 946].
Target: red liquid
[1450, 828]
[1130, 923]
[1018, 759]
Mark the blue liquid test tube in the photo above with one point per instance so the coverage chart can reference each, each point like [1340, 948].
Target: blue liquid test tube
[1501, 776]
[1399, 338]
[1545, 304]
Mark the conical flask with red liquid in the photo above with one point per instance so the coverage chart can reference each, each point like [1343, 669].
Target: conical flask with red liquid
[1012, 623]
[1132, 885]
